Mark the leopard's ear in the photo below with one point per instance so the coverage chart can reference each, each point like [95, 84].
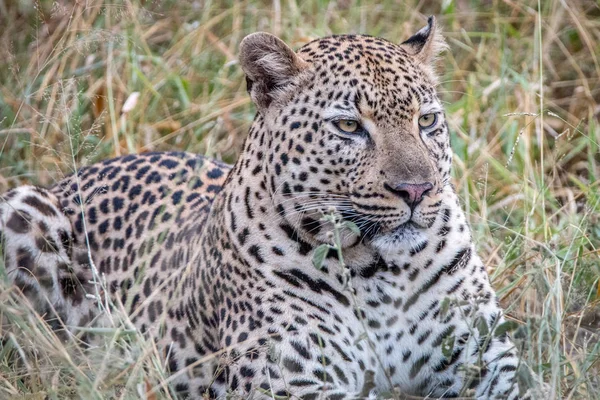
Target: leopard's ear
[270, 65]
[427, 43]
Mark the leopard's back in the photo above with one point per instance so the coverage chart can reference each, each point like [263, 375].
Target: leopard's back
[138, 217]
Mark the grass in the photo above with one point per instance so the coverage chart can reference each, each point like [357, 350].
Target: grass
[522, 91]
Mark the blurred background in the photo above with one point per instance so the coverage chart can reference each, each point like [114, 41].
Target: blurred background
[81, 81]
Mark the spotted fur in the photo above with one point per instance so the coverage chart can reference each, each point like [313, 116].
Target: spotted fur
[214, 262]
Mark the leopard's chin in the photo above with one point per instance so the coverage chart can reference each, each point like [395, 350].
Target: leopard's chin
[405, 236]
[407, 228]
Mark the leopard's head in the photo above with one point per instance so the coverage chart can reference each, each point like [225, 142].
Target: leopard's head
[351, 122]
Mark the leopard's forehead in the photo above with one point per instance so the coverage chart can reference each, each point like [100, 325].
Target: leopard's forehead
[384, 75]
[333, 43]
[358, 50]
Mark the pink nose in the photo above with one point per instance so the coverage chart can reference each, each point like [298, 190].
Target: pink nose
[412, 193]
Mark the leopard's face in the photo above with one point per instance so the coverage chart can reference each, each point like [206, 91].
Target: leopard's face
[362, 130]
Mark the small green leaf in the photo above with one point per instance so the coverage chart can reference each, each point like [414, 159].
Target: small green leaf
[448, 346]
[319, 255]
[482, 326]
[507, 326]
[352, 226]
[444, 307]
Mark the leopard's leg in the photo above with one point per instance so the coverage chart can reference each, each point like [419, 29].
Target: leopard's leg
[37, 242]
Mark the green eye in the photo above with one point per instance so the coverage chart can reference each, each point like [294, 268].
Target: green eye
[347, 125]
[427, 120]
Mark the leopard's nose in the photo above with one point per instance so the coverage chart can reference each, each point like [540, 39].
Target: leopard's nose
[411, 193]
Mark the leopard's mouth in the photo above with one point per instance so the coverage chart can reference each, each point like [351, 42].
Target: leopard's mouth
[407, 227]
[406, 230]
[403, 236]
[372, 226]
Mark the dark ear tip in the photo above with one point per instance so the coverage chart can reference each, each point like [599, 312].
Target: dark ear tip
[431, 21]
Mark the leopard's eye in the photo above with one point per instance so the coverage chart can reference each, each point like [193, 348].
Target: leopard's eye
[348, 125]
[427, 120]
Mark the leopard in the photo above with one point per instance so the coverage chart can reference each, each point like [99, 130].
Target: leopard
[348, 156]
